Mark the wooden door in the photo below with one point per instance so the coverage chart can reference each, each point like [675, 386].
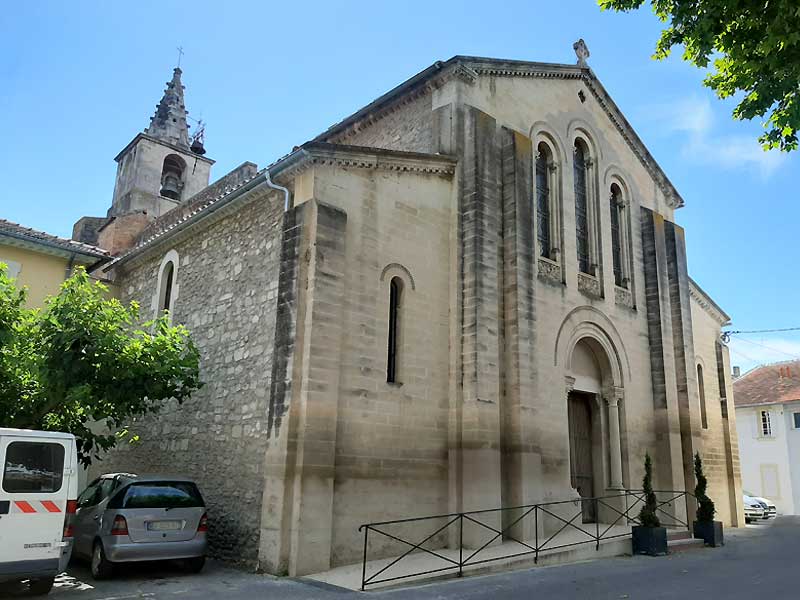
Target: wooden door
[580, 450]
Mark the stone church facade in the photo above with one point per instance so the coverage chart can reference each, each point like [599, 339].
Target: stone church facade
[413, 313]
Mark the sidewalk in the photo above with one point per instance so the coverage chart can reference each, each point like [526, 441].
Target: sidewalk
[494, 559]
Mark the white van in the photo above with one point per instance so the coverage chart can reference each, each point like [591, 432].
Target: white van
[38, 493]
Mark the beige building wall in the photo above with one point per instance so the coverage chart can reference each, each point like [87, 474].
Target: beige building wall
[41, 273]
[720, 448]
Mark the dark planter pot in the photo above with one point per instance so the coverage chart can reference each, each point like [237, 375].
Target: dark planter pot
[649, 540]
[710, 532]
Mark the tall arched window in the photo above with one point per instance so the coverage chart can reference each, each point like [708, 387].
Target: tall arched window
[582, 217]
[166, 284]
[172, 177]
[395, 298]
[543, 200]
[617, 252]
[702, 391]
[166, 290]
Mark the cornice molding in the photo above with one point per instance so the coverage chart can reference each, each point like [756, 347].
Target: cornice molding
[155, 140]
[707, 304]
[358, 157]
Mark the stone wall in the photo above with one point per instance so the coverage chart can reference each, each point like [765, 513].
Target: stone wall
[227, 285]
[86, 229]
[719, 449]
[221, 186]
[408, 127]
[138, 183]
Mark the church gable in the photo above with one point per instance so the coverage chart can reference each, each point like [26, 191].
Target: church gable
[525, 92]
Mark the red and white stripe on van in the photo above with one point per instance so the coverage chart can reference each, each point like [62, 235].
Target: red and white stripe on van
[29, 507]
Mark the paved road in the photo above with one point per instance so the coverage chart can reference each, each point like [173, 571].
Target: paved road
[760, 563]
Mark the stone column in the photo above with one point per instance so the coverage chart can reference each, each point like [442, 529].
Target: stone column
[614, 440]
[593, 218]
[555, 211]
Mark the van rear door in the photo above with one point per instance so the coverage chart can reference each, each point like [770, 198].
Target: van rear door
[35, 481]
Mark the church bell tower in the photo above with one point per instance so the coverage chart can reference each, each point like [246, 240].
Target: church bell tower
[158, 170]
[161, 167]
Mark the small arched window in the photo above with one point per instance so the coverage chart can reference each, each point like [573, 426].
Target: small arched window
[582, 216]
[617, 251]
[172, 177]
[167, 285]
[701, 388]
[543, 200]
[167, 279]
[395, 299]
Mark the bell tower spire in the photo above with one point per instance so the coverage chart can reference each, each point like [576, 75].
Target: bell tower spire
[163, 165]
[168, 124]
[159, 169]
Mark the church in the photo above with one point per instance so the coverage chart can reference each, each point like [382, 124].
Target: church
[471, 293]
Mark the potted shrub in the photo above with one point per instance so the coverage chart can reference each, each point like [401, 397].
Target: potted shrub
[649, 537]
[705, 527]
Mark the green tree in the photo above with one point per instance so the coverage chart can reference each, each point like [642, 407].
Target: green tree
[648, 516]
[754, 47]
[85, 365]
[705, 507]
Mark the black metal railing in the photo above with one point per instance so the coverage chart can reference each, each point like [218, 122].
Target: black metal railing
[618, 508]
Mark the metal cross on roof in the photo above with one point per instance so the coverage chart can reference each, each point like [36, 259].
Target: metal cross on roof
[180, 55]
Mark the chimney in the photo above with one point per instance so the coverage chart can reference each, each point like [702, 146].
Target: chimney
[737, 372]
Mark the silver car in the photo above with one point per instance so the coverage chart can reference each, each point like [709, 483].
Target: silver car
[126, 518]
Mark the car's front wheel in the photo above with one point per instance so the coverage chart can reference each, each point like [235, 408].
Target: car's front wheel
[40, 587]
[101, 566]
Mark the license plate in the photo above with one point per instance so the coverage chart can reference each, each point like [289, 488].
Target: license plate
[163, 525]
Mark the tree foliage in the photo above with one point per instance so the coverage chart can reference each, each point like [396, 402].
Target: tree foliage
[84, 365]
[754, 47]
[705, 507]
[648, 514]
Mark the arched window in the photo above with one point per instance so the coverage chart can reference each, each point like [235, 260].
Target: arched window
[617, 220]
[702, 391]
[395, 298]
[166, 285]
[172, 177]
[543, 200]
[723, 390]
[582, 217]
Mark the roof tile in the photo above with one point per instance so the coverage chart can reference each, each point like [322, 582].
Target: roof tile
[770, 384]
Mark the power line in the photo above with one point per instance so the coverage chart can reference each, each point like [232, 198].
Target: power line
[771, 349]
[743, 355]
[763, 330]
[726, 335]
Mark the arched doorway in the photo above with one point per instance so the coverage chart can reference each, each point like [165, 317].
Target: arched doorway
[594, 436]
[583, 419]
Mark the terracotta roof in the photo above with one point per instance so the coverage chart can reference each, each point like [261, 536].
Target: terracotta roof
[770, 384]
[26, 234]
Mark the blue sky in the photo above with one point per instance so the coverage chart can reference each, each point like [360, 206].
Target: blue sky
[78, 80]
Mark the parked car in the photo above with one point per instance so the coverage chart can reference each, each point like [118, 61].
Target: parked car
[122, 517]
[752, 509]
[38, 488]
[770, 511]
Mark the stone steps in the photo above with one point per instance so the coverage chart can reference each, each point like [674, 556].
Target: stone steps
[684, 545]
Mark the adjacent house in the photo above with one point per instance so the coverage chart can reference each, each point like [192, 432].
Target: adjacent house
[768, 415]
[41, 261]
[471, 293]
